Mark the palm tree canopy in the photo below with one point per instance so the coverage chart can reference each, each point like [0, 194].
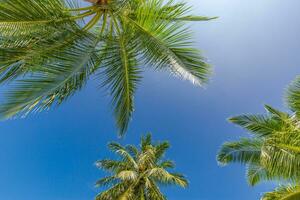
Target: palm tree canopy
[272, 152]
[50, 49]
[138, 172]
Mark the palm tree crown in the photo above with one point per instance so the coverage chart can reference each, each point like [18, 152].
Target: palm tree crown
[273, 150]
[138, 173]
[49, 49]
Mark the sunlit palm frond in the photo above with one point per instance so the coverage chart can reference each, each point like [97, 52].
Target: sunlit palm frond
[282, 160]
[167, 44]
[290, 192]
[164, 177]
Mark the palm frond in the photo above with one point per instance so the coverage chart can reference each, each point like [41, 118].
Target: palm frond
[167, 44]
[153, 191]
[168, 164]
[245, 151]
[32, 17]
[281, 160]
[146, 141]
[257, 173]
[127, 175]
[163, 177]
[260, 125]
[119, 191]
[113, 166]
[122, 151]
[160, 149]
[121, 77]
[289, 192]
[63, 73]
[107, 181]
[293, 95]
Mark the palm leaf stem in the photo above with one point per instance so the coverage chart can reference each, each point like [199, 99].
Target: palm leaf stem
[81, 9]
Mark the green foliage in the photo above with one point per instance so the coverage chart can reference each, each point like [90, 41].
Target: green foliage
[293, 96]
[271, 153]
[50, 49]
[138, 172]
[290, 192]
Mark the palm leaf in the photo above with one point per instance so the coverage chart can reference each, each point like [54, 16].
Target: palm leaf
[63, 74]
[245, 151]
[121, 77]
[293, 95]
[290, 192]
[167, 44]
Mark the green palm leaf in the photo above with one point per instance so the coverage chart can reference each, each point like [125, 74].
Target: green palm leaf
[62, 75]
[290, 192]
[168, 44]
[245, 151]
[293, 95]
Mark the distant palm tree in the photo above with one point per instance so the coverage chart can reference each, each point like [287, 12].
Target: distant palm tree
[49, 50]
[138, 173]
[273, 150]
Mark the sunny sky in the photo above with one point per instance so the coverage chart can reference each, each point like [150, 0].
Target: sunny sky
[254, 48]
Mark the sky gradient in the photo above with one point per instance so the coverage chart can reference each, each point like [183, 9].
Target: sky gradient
[254, 48]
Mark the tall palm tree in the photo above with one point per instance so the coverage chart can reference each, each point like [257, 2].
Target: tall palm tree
[49, 50]
[273, 150]
[138, 173]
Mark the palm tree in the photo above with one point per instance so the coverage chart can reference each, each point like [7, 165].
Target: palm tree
[138, 173]
[50, 49]
[273, 150]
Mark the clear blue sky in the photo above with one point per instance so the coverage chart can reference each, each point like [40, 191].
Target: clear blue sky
[254, 47]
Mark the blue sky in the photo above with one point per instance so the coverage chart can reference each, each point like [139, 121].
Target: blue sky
[254, 48]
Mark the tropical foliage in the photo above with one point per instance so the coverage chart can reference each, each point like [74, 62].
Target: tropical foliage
[50, 49]
[273, 150]
[138, 172]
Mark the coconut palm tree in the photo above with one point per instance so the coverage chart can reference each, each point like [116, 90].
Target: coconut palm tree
[50, 49]
[273, 150]
[138, 172]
